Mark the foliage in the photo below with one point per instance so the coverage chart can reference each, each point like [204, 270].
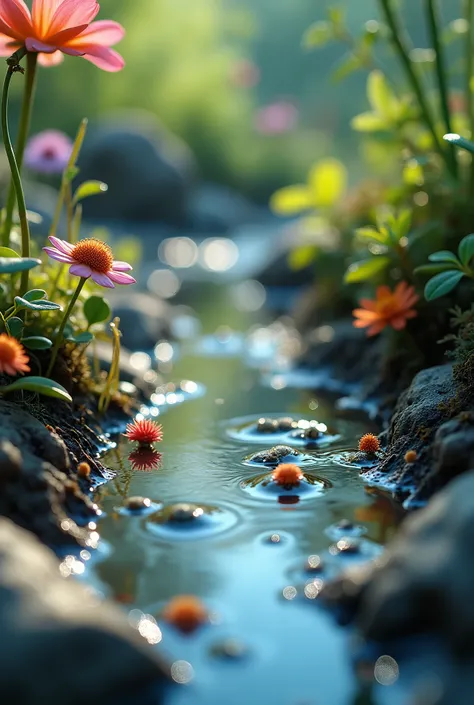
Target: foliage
[448, 269]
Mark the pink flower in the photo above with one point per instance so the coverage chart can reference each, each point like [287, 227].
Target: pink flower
[91, 258]
[57, 27]
[277, 118]
[48, 152]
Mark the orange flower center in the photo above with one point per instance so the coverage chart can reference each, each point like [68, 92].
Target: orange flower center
[95, 254]
[10, 349]
[387, 306]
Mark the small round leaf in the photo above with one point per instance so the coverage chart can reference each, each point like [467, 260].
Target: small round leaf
[442, 284]
[37, 342]
[96, 310]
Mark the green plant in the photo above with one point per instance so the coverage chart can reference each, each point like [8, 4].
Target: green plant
[448, 269]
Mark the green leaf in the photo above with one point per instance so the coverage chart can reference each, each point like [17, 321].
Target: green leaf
[8, 252]
[35, 294]
[369, 122]
[466, 249]
[40, 305]
[15, 326]
[459, 141]
[40, 385]
[403, 223]
[381, 97]
[96, 310]
[302, 257]
[366, 269]
[371, 234]
[37, 342]
[442, 284]
[11, 265]
[80, 338]
[434, 268]
[317, 35]
[347, 65]
[89, 188]
[70, 173]
[444, 256]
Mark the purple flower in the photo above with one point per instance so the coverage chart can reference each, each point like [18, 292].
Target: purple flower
[48, 152]
[276, 118]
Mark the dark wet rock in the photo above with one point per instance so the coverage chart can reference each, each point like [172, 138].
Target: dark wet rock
[216, 209]
[312, 433]
[345, 546]
[428, 420]
[287, 423]
[267, 425]
[230, 650]
[144, 319]
[148, 170]
[37, 473]
[136, 504]
[425, 580]
[59, 642]
[274, 456]
[183, 512]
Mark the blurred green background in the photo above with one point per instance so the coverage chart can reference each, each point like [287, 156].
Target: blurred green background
[206, 67]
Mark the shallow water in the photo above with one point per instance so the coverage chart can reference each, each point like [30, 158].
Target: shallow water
[248, 564]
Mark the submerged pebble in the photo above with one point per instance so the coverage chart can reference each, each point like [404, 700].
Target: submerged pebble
[278, 454]
[229, 650]
[283, 430]
[185, 520]
[344, 529]
[137, 506]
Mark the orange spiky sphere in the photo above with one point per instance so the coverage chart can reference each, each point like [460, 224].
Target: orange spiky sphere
[410, 456]
[287, 474]
[369, 443]
[83, 469]
[186, 613]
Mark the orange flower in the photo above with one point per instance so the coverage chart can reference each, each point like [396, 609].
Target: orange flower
[13, 359]
[57, 27]
[390, 308]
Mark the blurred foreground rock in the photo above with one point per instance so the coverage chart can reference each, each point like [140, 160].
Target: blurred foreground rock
[144, 318]
[60, 644]
[422, 585]
[148, 170]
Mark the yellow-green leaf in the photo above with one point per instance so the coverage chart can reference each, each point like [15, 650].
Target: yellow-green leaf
[413, 173]
[317, 35]
[369, 122]
[381, 97]
[291, 200]
[366, 269]
[302, 257]
[327, 181]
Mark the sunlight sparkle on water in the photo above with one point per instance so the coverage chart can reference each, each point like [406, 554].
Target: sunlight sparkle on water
[179, 252]
[218, 254]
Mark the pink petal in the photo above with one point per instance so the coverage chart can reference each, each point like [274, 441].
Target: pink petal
[65, 35]
[48, 60]
[104, 58]
[59, 256]
[80, 270]
[61, 245]
[7, 45]
[121, 278]
[33, 44]
[16, 15]
[118, 266]
[103, 280]
[42, 12]
[72, 52]
[72, 13]
[103, 32]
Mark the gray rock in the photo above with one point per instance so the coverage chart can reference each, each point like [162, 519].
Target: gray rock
[423, 584]
[59, 642]
[217, 209]
[148, 170]
[274, 456]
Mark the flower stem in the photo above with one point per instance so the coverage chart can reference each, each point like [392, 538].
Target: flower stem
[401, 45]
[13, 67]
[468, 16]
[25, 117]
[59, 337]
[432, 10]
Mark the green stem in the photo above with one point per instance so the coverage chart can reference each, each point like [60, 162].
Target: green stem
[59, 337]
[13, 67]
[432, 10]
[25, 117]
[400, 41]
[69, 212]
[468, 16]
